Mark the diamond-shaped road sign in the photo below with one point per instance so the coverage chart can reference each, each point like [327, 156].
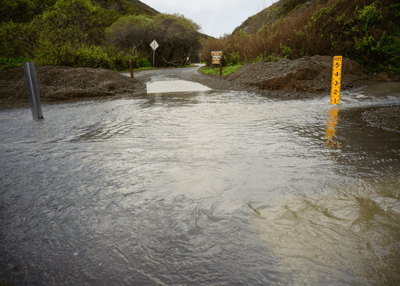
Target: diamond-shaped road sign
[154, 45]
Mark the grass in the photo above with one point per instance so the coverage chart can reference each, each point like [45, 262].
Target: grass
[12, 63]
[225, 70]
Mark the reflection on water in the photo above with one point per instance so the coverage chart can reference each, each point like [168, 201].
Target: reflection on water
[205, 188]
[331, 127]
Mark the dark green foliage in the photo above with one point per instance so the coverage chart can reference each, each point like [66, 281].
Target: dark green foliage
[177, 36]
[126, 7]
[70, 55]
[75, 21]
[143, 63]
[13, 42]
[73, 33]
[22, 11]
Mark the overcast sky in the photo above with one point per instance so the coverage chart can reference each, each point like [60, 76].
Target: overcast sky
[216, 17]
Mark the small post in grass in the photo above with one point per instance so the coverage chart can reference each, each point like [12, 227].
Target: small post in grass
[130, 68]
[33, 90]
[220, 66]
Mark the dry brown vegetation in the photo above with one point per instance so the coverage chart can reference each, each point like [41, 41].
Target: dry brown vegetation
[366, 31]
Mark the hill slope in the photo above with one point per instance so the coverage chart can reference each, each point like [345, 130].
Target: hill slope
[127, 7]
[278, 10]
[366, 31]
[23, 11]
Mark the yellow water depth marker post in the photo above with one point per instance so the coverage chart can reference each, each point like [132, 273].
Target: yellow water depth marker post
[336, 77]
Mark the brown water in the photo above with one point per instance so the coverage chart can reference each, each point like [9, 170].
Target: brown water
[206, 188]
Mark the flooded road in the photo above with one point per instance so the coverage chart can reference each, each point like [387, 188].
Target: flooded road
[206, 188]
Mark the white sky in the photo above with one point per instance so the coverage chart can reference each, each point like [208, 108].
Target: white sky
[216, 17]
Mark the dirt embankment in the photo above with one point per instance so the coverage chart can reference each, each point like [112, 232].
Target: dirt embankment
[63, 84]
[304, 77]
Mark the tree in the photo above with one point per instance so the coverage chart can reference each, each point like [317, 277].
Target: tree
[22, 11]
[130, 32]
[177, 36]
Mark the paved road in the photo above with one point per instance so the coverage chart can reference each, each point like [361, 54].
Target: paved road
[164, 80]
[166, 71]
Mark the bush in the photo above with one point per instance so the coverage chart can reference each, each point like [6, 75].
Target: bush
[143, 63]
[120, 60]
[13, 42]
[225, 70]
[12, 63]
[91, 56]
[177, 36]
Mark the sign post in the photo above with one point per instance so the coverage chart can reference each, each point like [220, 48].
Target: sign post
[336, 78]
[154, 46]
[217, 60]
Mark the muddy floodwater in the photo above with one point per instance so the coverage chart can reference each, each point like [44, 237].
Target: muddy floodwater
[205, 188]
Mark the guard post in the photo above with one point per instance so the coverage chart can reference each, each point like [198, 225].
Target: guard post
[33, 91]
[220, 66]
[130, 68]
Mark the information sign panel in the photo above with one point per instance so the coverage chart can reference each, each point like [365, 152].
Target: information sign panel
[216, 60]
[216, 56]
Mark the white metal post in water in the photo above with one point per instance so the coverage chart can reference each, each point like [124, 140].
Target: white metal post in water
[154, 46]
[33, 91]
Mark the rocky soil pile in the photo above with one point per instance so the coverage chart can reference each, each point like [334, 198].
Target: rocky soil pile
[61, 84]
[304, 77]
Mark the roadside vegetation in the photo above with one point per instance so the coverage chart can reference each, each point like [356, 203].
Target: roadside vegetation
[367, 31]
[227, 70]
[94, 33]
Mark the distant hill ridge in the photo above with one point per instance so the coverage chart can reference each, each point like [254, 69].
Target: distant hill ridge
[127, 7]
[23, 11]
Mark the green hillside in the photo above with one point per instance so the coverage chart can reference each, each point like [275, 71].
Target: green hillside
[23, 11]
[366, 31]
[93, 33]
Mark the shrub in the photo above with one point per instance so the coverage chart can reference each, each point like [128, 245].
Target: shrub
[143, 63]
[68, 54]
[13, 42]
[225, 70]
[12, 63]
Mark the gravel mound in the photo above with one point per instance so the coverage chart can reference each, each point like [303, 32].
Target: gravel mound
[59, 83]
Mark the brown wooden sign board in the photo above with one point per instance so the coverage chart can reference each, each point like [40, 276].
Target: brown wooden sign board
[216, 53]
[215, 60]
